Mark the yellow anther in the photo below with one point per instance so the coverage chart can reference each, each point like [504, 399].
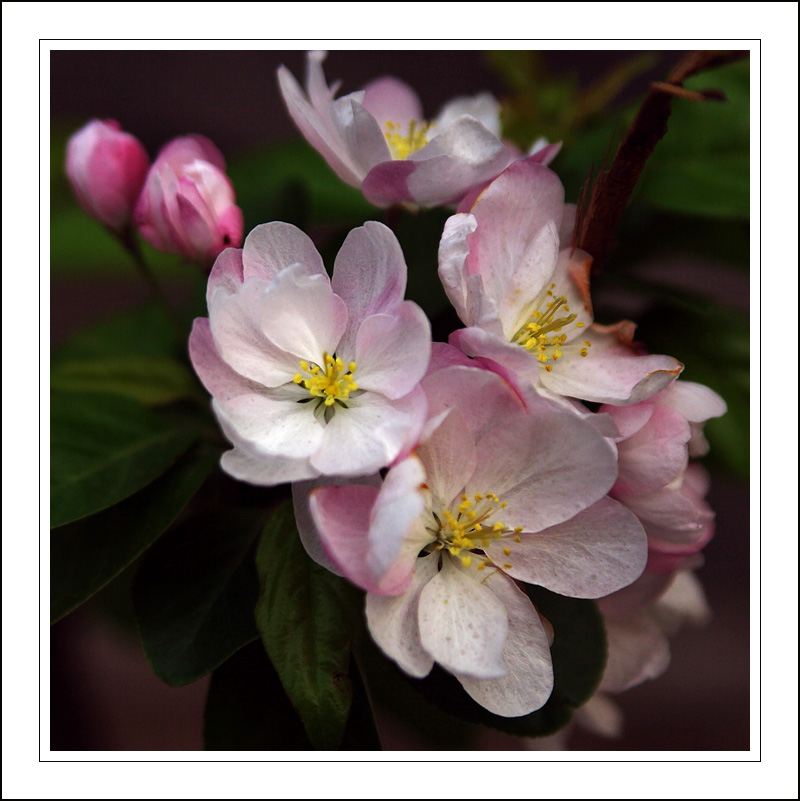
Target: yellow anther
[466, 561]
[478, 497]
[549, 368]
[517, 538]
[352, 367]
[542, 357]
[498, 526]
[503, 505]
[298, 379]
[482, 566]
[507, 551]
[507, 565]
[518, 530]
[478, 527]
[579, 325]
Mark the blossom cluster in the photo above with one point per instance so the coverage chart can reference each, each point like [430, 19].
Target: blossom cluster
[183, 203]
[536, 447]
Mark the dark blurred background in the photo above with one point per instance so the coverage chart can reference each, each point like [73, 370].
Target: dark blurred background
[103, 694]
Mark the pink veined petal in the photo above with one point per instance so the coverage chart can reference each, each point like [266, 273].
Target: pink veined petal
[462, 623]
[393, 622]
[369, 275]
[393, 350]
[637, 651]
[481, 397]
[195, 227]
[683, 602]
[186, 149]
[271, 247]
[642, 593]
[611, 373]
[370, 434]
[526, 653]
[226, 274]
[496, 349]
[547, 466]
[629, 419]
[399, 505]
[444, 355]
[449, 457]
[655, 455]
[389, 99]
[599, 551]
[675, 513]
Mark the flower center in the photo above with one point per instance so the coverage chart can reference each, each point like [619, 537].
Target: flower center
[543, 334]
[403, 145]
[331, 382]
[467, 528]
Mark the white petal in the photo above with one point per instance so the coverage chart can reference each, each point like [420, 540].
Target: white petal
[462, 623]
[393, 622]
[483, 107]
[271, 247]
[529, 681]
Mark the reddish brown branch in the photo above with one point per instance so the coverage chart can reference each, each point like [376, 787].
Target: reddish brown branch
[600, 218]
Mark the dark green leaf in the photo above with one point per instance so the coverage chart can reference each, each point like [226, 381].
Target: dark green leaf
[305, 616]
[144, 332]
[247, 708]
[147, 379]
[86, 555]
[103, 449]
[702, 166]
[266, 180]
[578, 653]
[195, 593]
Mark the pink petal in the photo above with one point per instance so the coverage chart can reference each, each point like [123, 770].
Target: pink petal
[637, 651]
[393, 350]
[271, 247]
[598, 551]
[391, 100]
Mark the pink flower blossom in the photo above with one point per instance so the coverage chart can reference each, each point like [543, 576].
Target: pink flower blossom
[188, 204]
[106, 168]
[497, 492]
[377, 139]
[525, 296]
[656, 481]
[312, 376]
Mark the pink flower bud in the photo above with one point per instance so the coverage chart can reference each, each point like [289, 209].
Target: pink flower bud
[106, 168]
[187, 204]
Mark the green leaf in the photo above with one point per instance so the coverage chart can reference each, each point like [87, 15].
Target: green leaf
[702, 166]
[144, 332]
[86, 555]
[247, 709]
[103, 449]
[305, 615]
[151, 380]
[195, 593]
[578, 653]
[293, 175]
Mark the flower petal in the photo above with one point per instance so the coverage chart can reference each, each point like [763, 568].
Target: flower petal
[271, 247]
[529, 681]
[370, 434]
[598, 551]
[393, 622]
[637, 651]
[483, 107]
[227, 273]
[369, 275]
[389, 99]
[611, 373]
[462, 623]
[393, 350]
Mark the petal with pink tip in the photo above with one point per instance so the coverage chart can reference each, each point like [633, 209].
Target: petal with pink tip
[392, 100]
[526, 653]
[369, 275]
[227, 273]
[597, 552]
[271, 247]
[462, 623]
